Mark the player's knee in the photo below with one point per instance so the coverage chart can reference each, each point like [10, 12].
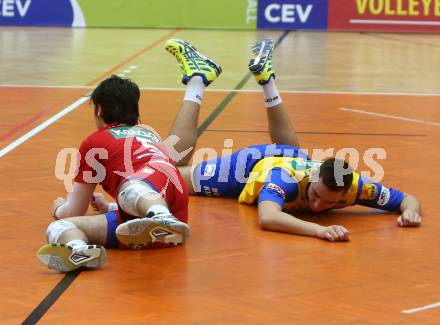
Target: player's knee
[56, 229]
[130, 195]
[187, 175]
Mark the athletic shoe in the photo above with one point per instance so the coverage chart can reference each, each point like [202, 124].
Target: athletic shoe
[261, 64]
[161, 228]
[64, 258]
[192, 63]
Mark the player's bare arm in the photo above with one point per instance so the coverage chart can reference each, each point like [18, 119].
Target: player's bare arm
[76, 203]
[272, 218]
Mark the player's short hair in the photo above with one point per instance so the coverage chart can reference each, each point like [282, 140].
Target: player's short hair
[336, 174]
[118, 99]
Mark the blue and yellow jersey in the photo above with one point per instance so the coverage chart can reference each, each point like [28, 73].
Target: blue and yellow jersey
[284, 180]
[226, 176]
[281, 174]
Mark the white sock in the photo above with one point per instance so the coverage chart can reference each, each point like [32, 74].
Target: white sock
[194, 90]
[76, 243]
[157, 208]
[271, 94]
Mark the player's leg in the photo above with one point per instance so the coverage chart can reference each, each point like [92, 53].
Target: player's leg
[217, 177]
[187, 174]
[198, 71]
[280, 127]
[75, 242]
[185, 128]
[154, 223]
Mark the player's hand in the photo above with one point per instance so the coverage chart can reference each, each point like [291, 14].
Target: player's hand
[59, 201]
[333, 233]
[409, 219]
[99, 203]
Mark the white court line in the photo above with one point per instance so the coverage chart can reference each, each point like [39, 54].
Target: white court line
[415, 310]
[42, 126]
[319, 92]
[395, 22]
[314, 92]
[394, 117]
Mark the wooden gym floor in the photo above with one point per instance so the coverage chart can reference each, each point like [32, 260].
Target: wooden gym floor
[356, 90]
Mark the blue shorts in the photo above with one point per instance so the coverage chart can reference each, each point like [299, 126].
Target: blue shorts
[226, 176]
[112, 222]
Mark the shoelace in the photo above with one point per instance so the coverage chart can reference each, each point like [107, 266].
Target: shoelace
[193, 58]
[197, 60]
[165, 219]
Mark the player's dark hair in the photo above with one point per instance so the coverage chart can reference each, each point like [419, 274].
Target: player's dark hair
[333, 170]
[118, 99]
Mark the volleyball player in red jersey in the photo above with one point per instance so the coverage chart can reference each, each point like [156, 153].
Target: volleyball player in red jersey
[132, 164]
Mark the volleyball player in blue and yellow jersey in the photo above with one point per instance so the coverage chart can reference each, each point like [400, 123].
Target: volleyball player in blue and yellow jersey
[283, 181]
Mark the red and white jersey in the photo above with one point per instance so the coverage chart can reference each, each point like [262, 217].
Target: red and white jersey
[117, 152]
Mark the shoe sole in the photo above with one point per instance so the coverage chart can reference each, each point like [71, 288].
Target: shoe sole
[59, 257]
[174, 51]
[262, 50]
[145, 232]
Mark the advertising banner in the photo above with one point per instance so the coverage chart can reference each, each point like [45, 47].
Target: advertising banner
[292, 14]
[40, 13]
[221, 14]
[334, 15]
[385, 15]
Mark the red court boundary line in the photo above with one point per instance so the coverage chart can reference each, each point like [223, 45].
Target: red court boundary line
[44, 112]
[22, 125]
[32, 119]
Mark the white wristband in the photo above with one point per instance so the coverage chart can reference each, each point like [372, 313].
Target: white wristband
[112, 206]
